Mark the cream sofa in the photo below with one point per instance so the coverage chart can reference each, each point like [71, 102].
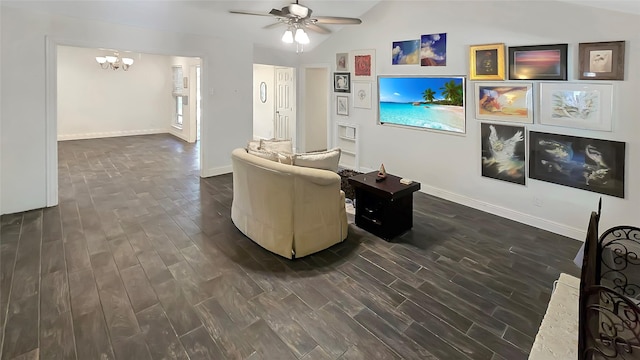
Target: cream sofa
[290, 210]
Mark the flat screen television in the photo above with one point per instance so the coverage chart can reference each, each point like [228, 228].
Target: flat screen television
[423, 102]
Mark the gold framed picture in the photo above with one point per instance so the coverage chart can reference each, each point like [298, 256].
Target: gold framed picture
[486, 62]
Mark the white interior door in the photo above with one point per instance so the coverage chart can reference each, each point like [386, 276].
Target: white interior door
[285, 117]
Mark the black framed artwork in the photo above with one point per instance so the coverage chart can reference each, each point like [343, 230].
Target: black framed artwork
[589, 164]
[342, 82]
[539, 62]
[503, 152]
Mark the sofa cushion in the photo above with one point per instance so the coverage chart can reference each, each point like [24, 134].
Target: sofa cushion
[327, 160]
[279, 146]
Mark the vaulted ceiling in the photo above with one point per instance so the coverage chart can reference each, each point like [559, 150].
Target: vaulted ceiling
[213, 18]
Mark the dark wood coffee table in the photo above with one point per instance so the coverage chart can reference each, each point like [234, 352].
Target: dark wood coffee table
[383, 208]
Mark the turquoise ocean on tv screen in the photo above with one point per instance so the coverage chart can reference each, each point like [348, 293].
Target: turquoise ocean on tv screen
[426, 116]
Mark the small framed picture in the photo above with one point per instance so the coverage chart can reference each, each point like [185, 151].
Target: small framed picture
[364, 64]
[342, 82]
[342, 62]
[486, 62]
[602, 60]
[342, 105]
[539, 62]
[362, 94]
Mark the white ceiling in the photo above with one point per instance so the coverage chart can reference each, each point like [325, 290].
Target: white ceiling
[209, 17]
[212, 17]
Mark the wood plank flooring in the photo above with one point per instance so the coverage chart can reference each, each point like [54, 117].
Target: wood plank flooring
[141, 261]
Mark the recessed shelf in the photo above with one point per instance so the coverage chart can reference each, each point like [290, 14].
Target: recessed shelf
[347, 140]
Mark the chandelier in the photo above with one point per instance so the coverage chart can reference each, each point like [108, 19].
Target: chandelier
[114, 62]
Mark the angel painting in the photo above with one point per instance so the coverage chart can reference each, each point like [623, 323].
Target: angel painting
[503, 152]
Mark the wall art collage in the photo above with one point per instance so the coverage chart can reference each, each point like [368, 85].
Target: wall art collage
[355, 71]
[590, 164]
[513, 87]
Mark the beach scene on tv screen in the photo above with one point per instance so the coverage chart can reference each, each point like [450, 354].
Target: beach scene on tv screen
[435, 103]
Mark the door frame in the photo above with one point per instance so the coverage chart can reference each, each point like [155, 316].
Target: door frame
[51, 105]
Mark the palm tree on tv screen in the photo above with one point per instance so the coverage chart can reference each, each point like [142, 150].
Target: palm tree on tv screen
[428, 95]
[452, 93]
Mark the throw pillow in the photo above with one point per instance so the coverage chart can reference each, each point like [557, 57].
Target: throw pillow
[327, 160]
[269, 155]
[279, 146]
[253, 145]
[282, 158]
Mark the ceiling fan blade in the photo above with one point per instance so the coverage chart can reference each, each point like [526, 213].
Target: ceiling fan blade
[242, 12]
[276, 12]
[318, 28]
[337, 20]
[271, 26]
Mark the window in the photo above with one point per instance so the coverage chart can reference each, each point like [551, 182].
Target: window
[178, 110]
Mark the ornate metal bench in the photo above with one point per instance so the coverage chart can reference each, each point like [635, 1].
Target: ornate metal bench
[600, 318]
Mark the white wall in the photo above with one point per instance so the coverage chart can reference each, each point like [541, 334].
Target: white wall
[187, 132]
[448, 166]
[95, 102]
[28, 95]
[283, 57]
[263, 113]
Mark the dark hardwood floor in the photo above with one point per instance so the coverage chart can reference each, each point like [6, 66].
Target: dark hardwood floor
[141, 261]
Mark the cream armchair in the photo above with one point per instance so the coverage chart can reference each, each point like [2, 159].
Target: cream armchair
[290, 210]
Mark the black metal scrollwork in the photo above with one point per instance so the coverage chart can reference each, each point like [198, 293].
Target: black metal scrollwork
[619, 249]
[613, 329]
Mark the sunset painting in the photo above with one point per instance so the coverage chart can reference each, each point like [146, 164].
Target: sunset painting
[542, 62]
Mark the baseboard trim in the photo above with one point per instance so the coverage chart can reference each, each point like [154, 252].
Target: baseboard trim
[216, 171]
[63, 137]
[561, 229]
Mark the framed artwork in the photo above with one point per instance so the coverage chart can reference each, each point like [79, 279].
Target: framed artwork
[486, 62]
[342, 62]
[433, 50]
[601, 60]
[342, 82]
[504, 101]
[503, 152]
[342, 105]
[435, 103]
[578, 162]
[540, 62]
[362, 94]
[405, 52]
[364, 65]
[576, 105]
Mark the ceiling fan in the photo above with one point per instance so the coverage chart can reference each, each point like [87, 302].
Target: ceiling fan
[297, 16]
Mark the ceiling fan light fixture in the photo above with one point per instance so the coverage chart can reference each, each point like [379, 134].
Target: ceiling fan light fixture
[287, 37]
[301, 37]
[298, 10]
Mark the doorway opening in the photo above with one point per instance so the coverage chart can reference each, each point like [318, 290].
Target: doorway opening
[274, 102]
